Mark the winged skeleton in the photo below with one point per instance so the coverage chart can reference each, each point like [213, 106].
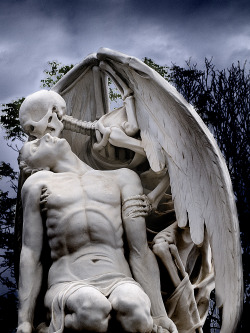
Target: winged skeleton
[192, 223]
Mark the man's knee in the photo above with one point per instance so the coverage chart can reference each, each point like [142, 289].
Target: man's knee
[87, 309]
[135, 318]
[132, 307]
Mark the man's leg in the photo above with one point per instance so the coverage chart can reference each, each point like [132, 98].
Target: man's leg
[87, 309]
[132, 307]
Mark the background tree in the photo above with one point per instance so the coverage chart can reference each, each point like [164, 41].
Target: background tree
[220, 97]
[7, 217]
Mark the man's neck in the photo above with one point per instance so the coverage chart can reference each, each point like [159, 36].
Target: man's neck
[71, 163]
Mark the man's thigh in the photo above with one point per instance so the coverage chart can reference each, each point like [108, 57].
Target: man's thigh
[71, 294]
[84, 307]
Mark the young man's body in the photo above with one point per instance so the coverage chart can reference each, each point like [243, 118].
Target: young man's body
[88, 213]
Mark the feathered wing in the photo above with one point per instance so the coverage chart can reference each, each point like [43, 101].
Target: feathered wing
[174, 136]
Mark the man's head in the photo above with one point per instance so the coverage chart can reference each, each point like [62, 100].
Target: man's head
[43, 154]
[42, 113]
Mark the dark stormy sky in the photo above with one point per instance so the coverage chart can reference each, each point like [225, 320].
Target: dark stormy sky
[32, 32]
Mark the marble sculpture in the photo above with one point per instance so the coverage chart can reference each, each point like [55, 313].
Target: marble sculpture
[129, 220]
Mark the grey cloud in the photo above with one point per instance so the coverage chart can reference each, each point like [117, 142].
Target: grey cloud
[34, 32]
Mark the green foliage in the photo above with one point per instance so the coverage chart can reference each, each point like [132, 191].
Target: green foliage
[114, 94]
[162, 70]
[10, 122]
[54, 74]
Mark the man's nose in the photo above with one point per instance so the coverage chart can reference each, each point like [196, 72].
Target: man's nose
[47, 137]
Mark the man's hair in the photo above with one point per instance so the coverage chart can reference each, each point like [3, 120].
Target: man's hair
[28, 170]
[25, 167]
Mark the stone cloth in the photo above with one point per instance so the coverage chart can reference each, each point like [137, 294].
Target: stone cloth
[103, 283]
[182, 308]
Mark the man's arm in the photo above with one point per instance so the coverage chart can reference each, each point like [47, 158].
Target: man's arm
[141, 259]
[30, 274]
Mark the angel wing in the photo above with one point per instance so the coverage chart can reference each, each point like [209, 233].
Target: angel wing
[174, 136]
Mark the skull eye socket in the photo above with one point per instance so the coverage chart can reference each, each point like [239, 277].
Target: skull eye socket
[49, 120]
[54, 109]
[32, 128]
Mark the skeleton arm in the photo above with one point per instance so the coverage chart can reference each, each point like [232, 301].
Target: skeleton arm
[131, 126]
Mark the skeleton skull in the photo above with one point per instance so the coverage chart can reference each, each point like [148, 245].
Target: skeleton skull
[42, 113]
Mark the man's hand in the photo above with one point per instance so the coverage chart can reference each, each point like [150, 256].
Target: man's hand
[164, 325]
[25, 327]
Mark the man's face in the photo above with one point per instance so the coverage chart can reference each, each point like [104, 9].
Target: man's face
[45, 152]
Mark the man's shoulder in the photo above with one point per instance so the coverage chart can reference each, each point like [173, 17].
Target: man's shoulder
[124, 172]
[36, 180]
[120, 177]
[114, 173]
[126, 176]
[128, 172]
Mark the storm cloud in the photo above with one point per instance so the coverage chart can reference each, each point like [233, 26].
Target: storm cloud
[35, 32]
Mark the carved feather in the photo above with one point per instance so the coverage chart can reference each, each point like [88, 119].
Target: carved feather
[174, 136]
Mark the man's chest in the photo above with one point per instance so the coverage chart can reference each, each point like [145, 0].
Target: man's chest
[85, 191]
[87, 206]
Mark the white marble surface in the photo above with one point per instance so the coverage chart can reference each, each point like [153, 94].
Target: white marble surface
[179, 183]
